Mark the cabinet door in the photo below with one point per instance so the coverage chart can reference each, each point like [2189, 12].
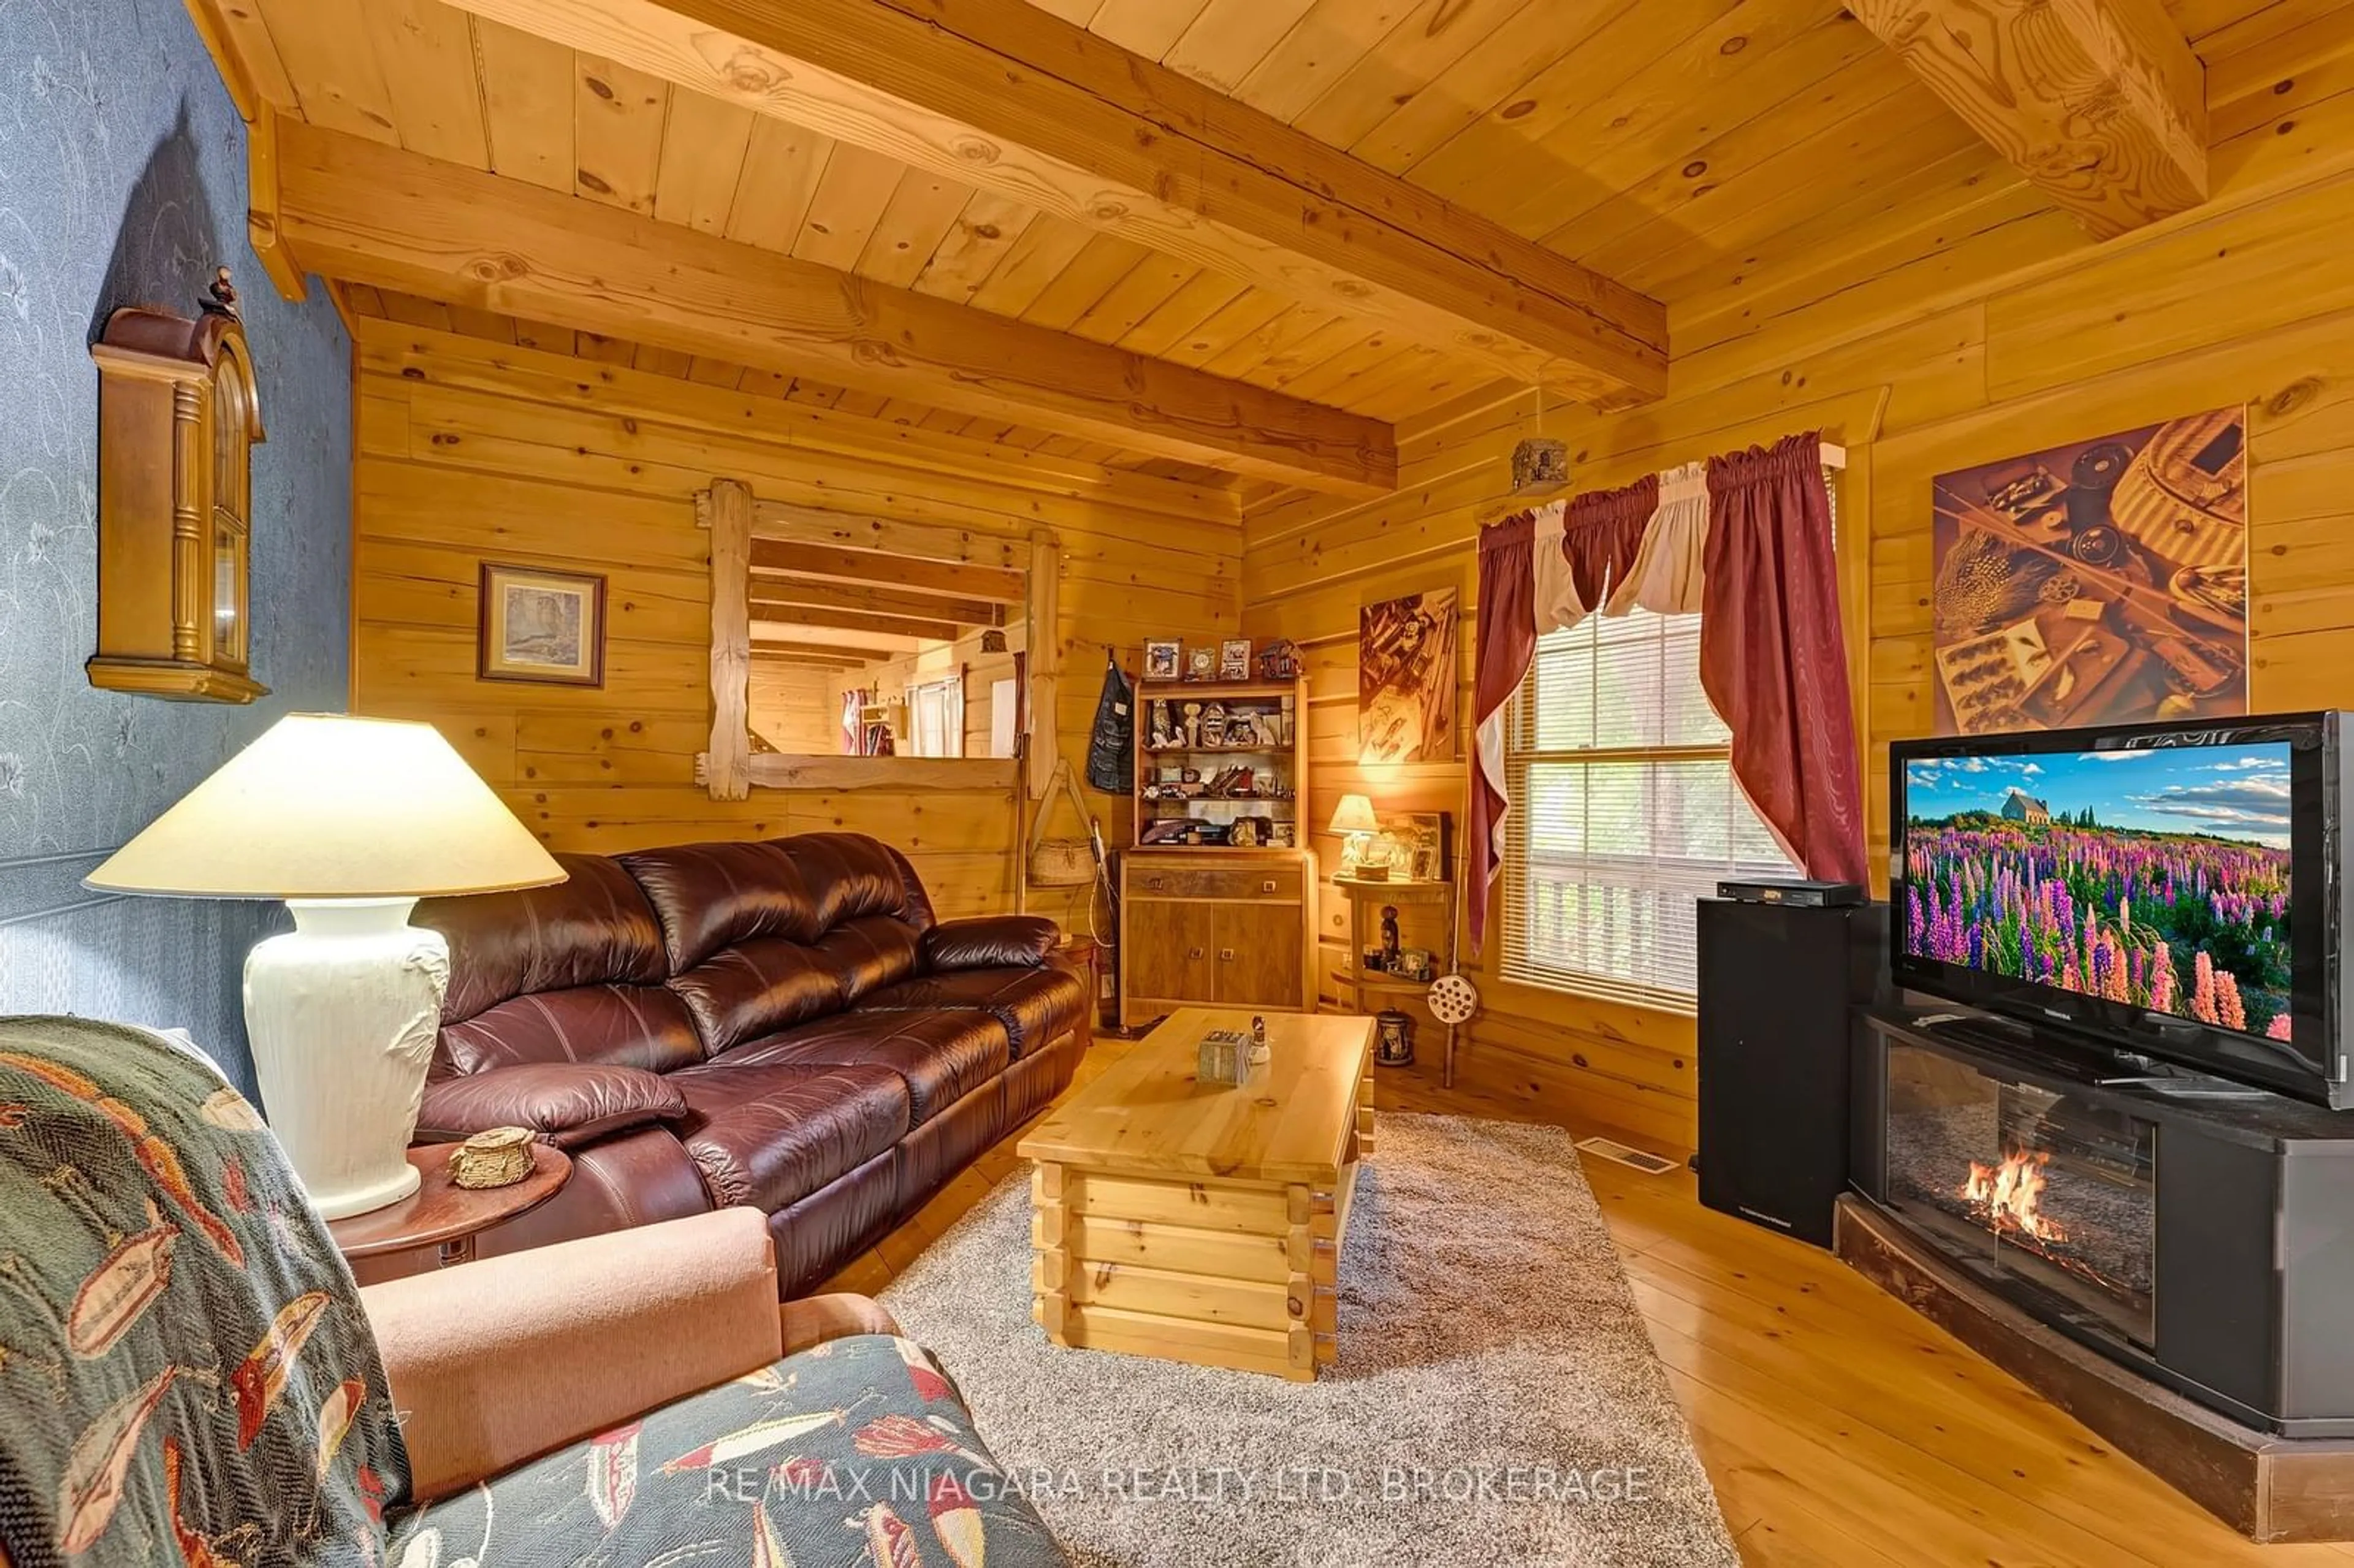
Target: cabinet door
[1171, 957]
[1260, 951]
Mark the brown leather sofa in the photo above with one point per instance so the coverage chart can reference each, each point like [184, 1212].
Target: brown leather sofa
[782, 1025]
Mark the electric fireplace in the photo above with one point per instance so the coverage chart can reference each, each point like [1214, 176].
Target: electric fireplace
[2042, 1195]
[2197, 1231]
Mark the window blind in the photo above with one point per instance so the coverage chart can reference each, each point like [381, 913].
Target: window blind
[1624, 812]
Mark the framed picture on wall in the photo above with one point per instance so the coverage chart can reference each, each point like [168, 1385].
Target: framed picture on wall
[541, 626]
[2100, 582]
[1406, 671]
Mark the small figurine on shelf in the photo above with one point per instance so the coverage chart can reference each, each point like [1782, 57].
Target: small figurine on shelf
[1164, 734]
[1213, 726]
[1259, 1049]
[1241, 732]
[1192, 723]
[1245, 833]
[1390, 938]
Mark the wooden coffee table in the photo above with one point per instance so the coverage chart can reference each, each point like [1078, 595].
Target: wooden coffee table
[1203, 1222]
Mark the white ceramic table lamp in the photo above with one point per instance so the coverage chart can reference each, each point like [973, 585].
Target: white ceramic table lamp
[1353, 819]
[350, 822]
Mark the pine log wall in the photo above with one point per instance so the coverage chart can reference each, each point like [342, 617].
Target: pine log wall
[474, 450]
[1925, 340]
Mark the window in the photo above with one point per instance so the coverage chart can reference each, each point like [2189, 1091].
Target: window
[936, 718]
[1624, 812]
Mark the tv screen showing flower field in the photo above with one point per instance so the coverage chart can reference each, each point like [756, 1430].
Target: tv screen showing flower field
[2158, 878]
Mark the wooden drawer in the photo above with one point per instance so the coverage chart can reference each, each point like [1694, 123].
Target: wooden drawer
[1284, 882]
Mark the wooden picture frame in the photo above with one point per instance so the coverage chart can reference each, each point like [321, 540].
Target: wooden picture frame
[1416, 845]
[1021, 573]
[540, 627]
[1235, 659]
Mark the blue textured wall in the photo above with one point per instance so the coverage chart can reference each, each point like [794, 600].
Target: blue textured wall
[123, 181]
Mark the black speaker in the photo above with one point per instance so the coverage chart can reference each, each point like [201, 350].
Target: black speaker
[1777, 984]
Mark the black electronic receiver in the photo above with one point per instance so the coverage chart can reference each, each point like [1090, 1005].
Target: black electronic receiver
[1797, 893]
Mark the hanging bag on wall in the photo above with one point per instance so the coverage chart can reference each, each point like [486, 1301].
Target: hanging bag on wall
[1062, 862]
[1111, 748]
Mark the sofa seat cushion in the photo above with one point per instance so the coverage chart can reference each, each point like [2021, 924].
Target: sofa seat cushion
[1035, 1006]
[770, 1133]
[941, 1056]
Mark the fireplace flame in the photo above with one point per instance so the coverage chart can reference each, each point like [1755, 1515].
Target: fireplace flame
[2008, 1197]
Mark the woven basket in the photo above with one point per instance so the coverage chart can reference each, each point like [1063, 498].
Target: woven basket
[498, 1158]
[1060, 862]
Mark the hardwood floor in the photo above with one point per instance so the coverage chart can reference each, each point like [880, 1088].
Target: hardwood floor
[1840, 1428]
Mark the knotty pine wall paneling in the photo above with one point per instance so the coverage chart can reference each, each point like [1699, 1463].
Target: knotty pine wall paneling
[795, 707]
[471, 451]
[1923, 347]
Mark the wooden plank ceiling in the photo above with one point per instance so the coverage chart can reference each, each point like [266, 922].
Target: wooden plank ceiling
[1673, 146]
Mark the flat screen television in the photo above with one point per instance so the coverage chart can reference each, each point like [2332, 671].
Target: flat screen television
[2172, 889]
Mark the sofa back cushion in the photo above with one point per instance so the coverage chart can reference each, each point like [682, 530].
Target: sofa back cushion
[569, 973]
[710, 896]
[762, 936]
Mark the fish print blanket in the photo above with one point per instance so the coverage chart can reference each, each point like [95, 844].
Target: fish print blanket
[185, 1372]
[858, 1453]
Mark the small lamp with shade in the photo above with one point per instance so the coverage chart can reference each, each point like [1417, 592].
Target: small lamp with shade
[1354, 820]
[350, 822]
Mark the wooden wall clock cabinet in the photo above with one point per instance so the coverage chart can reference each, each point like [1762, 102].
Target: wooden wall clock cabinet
[177, 418]
[1218, 897]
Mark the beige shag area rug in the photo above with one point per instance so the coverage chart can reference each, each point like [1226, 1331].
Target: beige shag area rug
[1496, 1398]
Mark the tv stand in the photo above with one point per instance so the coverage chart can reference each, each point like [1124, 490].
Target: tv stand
[2195, 1232]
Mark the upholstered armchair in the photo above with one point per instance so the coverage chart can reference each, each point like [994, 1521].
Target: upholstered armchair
[192, 1374]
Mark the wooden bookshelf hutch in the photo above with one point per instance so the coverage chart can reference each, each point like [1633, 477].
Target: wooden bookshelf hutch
[1205, 920]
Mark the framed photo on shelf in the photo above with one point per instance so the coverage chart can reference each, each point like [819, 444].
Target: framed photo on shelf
[1201, 664]
[1235, 659]
[1414, 846]
[540, 626]
[1160, 659]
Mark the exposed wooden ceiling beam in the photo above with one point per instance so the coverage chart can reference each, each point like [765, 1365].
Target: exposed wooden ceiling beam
[992, 583]
[770, 587]
[220, 31]
[769, 658]
[358, 210]
[820, 653]
[2100, 103]
[1003, 96]
[893, 645]
[854, 620]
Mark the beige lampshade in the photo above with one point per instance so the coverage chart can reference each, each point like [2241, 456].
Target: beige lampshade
[1355, 815]
[328, 806]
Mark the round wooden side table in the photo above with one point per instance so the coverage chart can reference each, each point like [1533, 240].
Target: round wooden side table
[444, 1215]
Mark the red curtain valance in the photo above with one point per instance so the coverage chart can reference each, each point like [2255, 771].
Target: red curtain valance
[1773, 653]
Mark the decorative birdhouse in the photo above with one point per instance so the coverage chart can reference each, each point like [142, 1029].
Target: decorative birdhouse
[1540, 464]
